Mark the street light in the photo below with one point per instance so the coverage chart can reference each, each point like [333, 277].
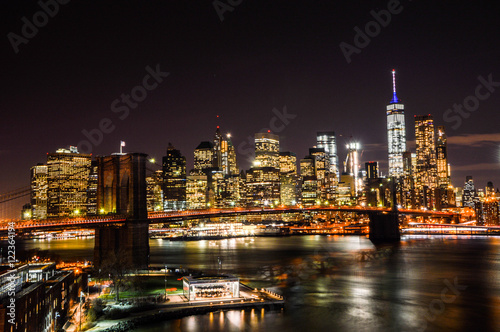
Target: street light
[81, 298]
[165, 282]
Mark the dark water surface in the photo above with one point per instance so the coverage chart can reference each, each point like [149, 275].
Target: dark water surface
[340, 283]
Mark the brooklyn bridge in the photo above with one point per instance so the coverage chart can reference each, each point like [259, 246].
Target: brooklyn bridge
[125, 229]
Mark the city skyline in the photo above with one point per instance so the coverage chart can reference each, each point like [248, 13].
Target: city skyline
[247, 76]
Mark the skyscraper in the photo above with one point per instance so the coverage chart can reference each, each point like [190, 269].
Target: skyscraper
[288, 163]
[442, 158]
[327, 141]
[220, 152]
[309, 190]
[203, 157]
[288, 178]
[372, 169]
[67, 178]
[267, 150]
[396, 132]
[231, 157]
[469, 192]
[426, 163]
[39, 191]
[174, 179]
[224, 154]
[351, 165]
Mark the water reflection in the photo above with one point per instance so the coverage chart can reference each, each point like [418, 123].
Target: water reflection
[341, 283]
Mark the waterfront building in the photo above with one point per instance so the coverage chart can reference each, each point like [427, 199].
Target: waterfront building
[43, 296]
[68, 174]
[174, 179]
[491, 211]
[197, 191]
[210, 287]
[227, 191]
[396, 132]
[39, 186]
[262, 186]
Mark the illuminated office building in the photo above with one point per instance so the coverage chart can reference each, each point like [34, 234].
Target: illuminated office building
[39, 187]
[154, 191]
[224, 154]
[327, 141]
[321, 162]
[262, 186]
[309, 181]
[327, 181]
[220, 152]
[443, 168]
[307, 167]
[372, 170]
[68, 179]
[491, 211]
[174, 180]
[92, 189]
[396, 132]
[351, 165]
[288, 178]
[288, 163]
[267, 150]
[469, 192]
[263, 179]
[405, 186]
[203, 157]
[227, 192]
[426, 163]
[196, 191]
[231, 157]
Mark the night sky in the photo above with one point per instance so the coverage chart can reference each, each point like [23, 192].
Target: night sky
[263, 55]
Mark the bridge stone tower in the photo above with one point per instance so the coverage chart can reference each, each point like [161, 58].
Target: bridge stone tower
[121, 190]
[384, 226]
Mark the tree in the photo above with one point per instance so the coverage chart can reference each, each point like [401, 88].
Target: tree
[117, 267]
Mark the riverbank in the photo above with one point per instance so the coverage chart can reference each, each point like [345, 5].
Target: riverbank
[180, 308]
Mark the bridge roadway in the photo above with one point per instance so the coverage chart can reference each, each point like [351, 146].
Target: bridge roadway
[175, 216]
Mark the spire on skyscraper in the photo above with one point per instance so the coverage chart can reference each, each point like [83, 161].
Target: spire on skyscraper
[394, 97]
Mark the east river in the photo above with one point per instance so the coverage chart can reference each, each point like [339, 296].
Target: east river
[336, 283]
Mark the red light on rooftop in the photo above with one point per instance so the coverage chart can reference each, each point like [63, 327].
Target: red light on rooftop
[268, 131]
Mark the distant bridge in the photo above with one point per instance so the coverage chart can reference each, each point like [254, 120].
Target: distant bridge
[176, 216]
